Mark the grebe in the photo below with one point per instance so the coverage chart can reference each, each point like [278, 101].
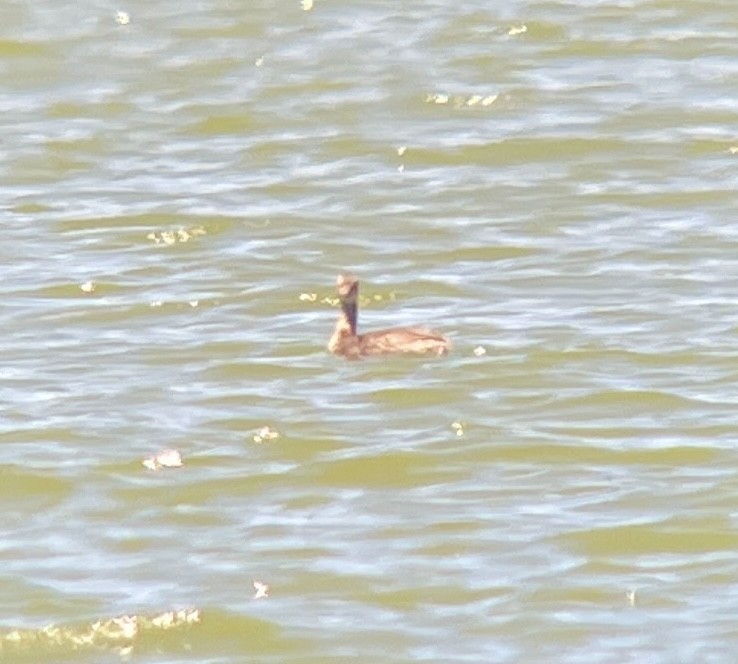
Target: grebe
[345, 341]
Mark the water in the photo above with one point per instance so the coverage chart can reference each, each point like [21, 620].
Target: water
[553, 182]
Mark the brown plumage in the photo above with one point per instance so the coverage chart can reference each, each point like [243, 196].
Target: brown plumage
[346, 342]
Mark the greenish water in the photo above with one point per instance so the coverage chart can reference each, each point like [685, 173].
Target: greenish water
[551, 182]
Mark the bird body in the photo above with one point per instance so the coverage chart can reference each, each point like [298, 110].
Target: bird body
[347, 342]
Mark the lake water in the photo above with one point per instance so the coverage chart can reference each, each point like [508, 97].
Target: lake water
[551, 183]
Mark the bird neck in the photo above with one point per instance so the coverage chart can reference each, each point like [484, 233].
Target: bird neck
[349, 314]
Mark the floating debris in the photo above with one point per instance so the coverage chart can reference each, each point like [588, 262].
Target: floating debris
[307, 5]
[363, 299]
[164, 237]
[194, 303]
[630, 595]
[259, 61]
[122, 18]
[401, 168]
[116, 633]
[435, 98]
[733, 149]
[175, 236]
[165, 459]
[460, 100]
[517, 30]
[402, 150]
[479, 351]
[262, 590]
[265, 433]
[308, 297]
[458, 427]
[88, 287]
[156, 303]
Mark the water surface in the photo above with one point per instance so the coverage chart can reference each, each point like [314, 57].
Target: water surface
[552, 182]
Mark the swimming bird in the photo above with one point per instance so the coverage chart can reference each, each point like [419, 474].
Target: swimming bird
[346, 341]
